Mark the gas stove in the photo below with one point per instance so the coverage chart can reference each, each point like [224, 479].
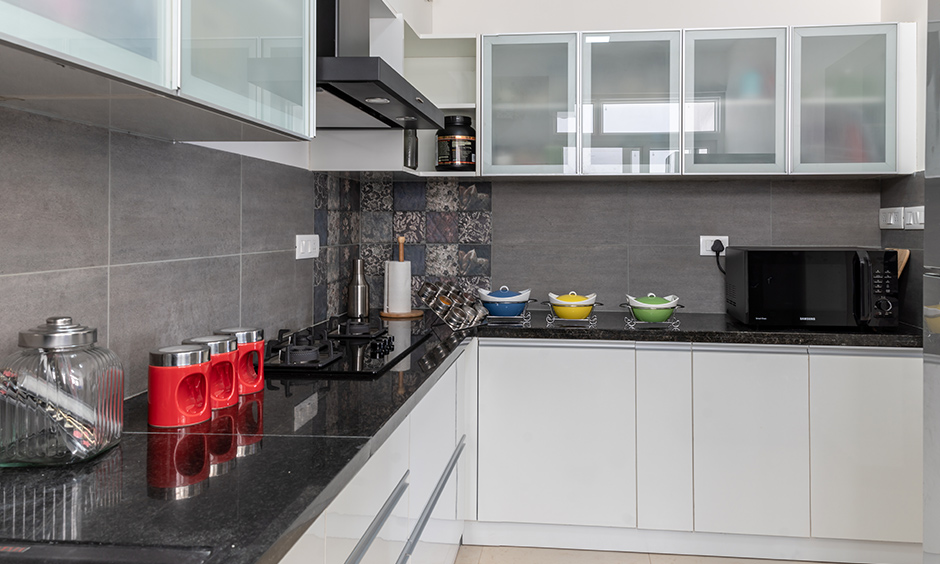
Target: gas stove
[338, 350]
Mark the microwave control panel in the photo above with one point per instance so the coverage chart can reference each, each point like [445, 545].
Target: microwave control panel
[884, 311]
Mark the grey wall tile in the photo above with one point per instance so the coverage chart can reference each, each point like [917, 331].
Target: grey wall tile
[581, 212]
[376, 227]
[826, 212]
[277, 291]
[678, 213]
[27, 300]
[159, 304]
[902, 239]
[277, 204]
[171, 201]
[601, 269]
[904, 191]
[442, 195]
[679, 270]
[54, 194]
[376, 191]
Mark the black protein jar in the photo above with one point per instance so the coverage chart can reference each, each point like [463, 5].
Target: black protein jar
[456, 145]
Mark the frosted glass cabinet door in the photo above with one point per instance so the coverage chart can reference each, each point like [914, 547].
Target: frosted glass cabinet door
[735, 100]
[250, 58]
[630, 103]
[122, 37]
[845, 99]
[529, 97]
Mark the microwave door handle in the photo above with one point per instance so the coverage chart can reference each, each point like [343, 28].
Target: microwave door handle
[865, 287]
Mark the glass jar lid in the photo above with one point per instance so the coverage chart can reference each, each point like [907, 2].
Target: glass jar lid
[58, 332]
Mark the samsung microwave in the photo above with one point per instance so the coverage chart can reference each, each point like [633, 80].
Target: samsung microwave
[812, 286]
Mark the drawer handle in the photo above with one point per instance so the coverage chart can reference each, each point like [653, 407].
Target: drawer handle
[435, 495]
[369, 536]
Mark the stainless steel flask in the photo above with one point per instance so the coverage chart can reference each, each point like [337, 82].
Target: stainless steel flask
[358, 305]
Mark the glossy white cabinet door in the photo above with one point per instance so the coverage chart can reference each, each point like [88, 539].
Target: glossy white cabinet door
[845, 98]
[866, 425]
[630, 102]
[664, 436]
[310, 548]
[529, 99]
[467, 426]
[125, 37]
[433, 438]
[735, 101]
[751, 439]
[354, 509]
[557, 437]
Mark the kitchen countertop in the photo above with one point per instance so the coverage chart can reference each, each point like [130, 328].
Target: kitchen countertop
[301, 442]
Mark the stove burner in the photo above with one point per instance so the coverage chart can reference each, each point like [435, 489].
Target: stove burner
[301, 353]
[355, 328]
[306, 348]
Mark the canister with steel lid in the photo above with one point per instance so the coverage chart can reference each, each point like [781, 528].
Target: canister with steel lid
[223, 355]
[61, 396]
[249, 367]
[178, 386]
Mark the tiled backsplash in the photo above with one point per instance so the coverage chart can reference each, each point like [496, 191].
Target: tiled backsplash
[446, 223]
[153, 242]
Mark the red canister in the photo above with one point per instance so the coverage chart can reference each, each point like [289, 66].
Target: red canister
[178, 386]
[250, 356]
[177, 462]
[223, 355]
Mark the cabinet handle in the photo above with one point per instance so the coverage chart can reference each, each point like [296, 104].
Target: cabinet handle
[435, 495]
[369, 536]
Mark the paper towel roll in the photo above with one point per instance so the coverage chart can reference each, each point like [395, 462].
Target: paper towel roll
[397, 286]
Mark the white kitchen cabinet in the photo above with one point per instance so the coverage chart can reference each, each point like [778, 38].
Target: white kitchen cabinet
[735, 101]
[433, 441]
[529, 100]
[664, 436]
[358, 505]
[250, 58]
[751, 439]
[630, 102]
[846, 83]
[129, 39]
[866, 430]
[557, 432]
[310, 548]
[467, 427]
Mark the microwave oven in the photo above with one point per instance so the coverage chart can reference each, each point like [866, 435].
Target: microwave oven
[812, 286]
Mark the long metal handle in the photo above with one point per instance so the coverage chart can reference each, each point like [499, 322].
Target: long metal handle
[373, 531]
[435, 495]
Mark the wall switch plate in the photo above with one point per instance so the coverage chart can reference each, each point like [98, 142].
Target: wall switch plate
[891, 218]
[307, 246]
[914, 217]
[705, 244]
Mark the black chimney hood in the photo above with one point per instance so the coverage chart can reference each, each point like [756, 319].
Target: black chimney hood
[346, 73]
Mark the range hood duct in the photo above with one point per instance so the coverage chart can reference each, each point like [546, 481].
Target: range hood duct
[347, 72]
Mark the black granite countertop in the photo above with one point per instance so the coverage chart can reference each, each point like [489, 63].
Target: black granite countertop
[700, 328]
[294, 446]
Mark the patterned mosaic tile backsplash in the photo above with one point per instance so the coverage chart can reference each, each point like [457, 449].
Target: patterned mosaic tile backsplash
[446, 222]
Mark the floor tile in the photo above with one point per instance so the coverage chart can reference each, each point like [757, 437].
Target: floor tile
[516, 555]
[469, 554]
[683, 559]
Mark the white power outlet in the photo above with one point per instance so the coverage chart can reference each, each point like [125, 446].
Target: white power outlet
[705, 244]
[307, 246]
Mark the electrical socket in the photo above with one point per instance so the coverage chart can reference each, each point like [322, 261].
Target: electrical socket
[705, 244]
[307, 246]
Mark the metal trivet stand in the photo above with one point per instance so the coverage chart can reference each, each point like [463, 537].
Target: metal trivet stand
[524, 320]
[671, 324]
[552, 320]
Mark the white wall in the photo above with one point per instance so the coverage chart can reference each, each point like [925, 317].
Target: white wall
[506, 16]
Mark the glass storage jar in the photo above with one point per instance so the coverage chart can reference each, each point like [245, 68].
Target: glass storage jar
[61, 396]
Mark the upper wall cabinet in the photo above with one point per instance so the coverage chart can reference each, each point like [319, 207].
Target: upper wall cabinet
[129, 37]
[244, 69]
[735, 100]
[630, 103]
[529, 99]
[249, 57]
[845, 99]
